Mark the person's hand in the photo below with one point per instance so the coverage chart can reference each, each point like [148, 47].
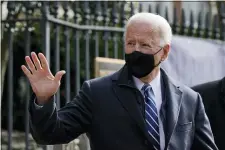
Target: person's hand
[43, 83]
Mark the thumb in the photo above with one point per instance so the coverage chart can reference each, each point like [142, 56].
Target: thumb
[59, 75]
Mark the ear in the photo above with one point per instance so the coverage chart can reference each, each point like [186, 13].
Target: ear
[166, 50]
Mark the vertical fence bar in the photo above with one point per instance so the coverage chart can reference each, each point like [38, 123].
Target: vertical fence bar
[166, 14]
[174, 24]
[67, 42]
[11, 8]
[46, 31]
[57, 50]
[199, 28]
[206, 33]
[46, 41]
[115, 45]
[10, 89]
[27, 37]
[122, 24]
[191, 25]
[131, 9]
[56, 29]
[106, 33]
[114, 34]
[149, 8]
[77, 49]
[182, 23]
[27, 53]
[140, 8]
[87, 38]
[77, 39]
[215, 27]
[157, 8]
[96, 37]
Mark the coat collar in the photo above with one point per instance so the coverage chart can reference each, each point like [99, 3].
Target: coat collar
[123, 77]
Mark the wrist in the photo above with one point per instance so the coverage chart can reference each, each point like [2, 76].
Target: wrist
[41, 100]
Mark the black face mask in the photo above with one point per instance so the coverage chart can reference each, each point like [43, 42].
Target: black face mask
[140, 64]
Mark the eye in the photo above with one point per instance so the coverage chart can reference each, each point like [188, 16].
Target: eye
[130, 43]
[146, 45]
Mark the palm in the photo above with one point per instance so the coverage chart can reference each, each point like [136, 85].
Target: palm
[43, 83]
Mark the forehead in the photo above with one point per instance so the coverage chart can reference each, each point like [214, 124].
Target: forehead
[141, 31]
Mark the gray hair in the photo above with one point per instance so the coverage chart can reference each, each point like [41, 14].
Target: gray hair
[158, 23]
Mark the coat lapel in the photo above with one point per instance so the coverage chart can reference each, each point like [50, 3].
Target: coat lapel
[173, 97]
[127, 94]
[128, 100]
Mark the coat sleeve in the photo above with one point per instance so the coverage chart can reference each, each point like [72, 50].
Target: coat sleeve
[51, 126]
[203, 138]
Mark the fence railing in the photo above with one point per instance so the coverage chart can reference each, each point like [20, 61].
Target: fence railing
[72, 34]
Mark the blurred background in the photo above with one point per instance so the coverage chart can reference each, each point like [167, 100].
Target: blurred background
[72, 34]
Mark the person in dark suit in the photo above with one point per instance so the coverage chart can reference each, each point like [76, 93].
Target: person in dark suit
[213, 95]
[138, 107]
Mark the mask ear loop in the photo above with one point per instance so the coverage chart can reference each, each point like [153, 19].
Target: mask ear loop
[160, 60]
[158, 51]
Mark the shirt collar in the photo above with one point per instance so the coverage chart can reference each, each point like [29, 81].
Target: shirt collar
[155, 83]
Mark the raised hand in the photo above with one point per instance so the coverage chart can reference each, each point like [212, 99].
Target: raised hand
[43, 83]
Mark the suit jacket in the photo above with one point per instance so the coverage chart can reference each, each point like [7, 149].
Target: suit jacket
[110, 110]
[213, 95]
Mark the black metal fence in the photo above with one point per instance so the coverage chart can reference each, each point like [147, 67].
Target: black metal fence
[72, 34]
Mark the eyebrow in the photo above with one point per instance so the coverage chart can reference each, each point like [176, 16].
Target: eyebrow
[131, 40]
[149, 41]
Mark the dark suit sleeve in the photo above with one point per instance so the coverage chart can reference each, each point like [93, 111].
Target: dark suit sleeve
[49, 126]
[203, 139]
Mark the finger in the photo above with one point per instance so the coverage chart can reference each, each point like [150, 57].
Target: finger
[59, 75]
[44, 61]
[26, 71]
[36, 60]
[30, 64]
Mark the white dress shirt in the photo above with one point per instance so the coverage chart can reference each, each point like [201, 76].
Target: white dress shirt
[156, 86]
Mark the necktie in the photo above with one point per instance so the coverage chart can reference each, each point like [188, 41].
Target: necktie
[151, 115]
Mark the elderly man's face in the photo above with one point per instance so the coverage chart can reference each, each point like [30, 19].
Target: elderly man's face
[140, 37]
